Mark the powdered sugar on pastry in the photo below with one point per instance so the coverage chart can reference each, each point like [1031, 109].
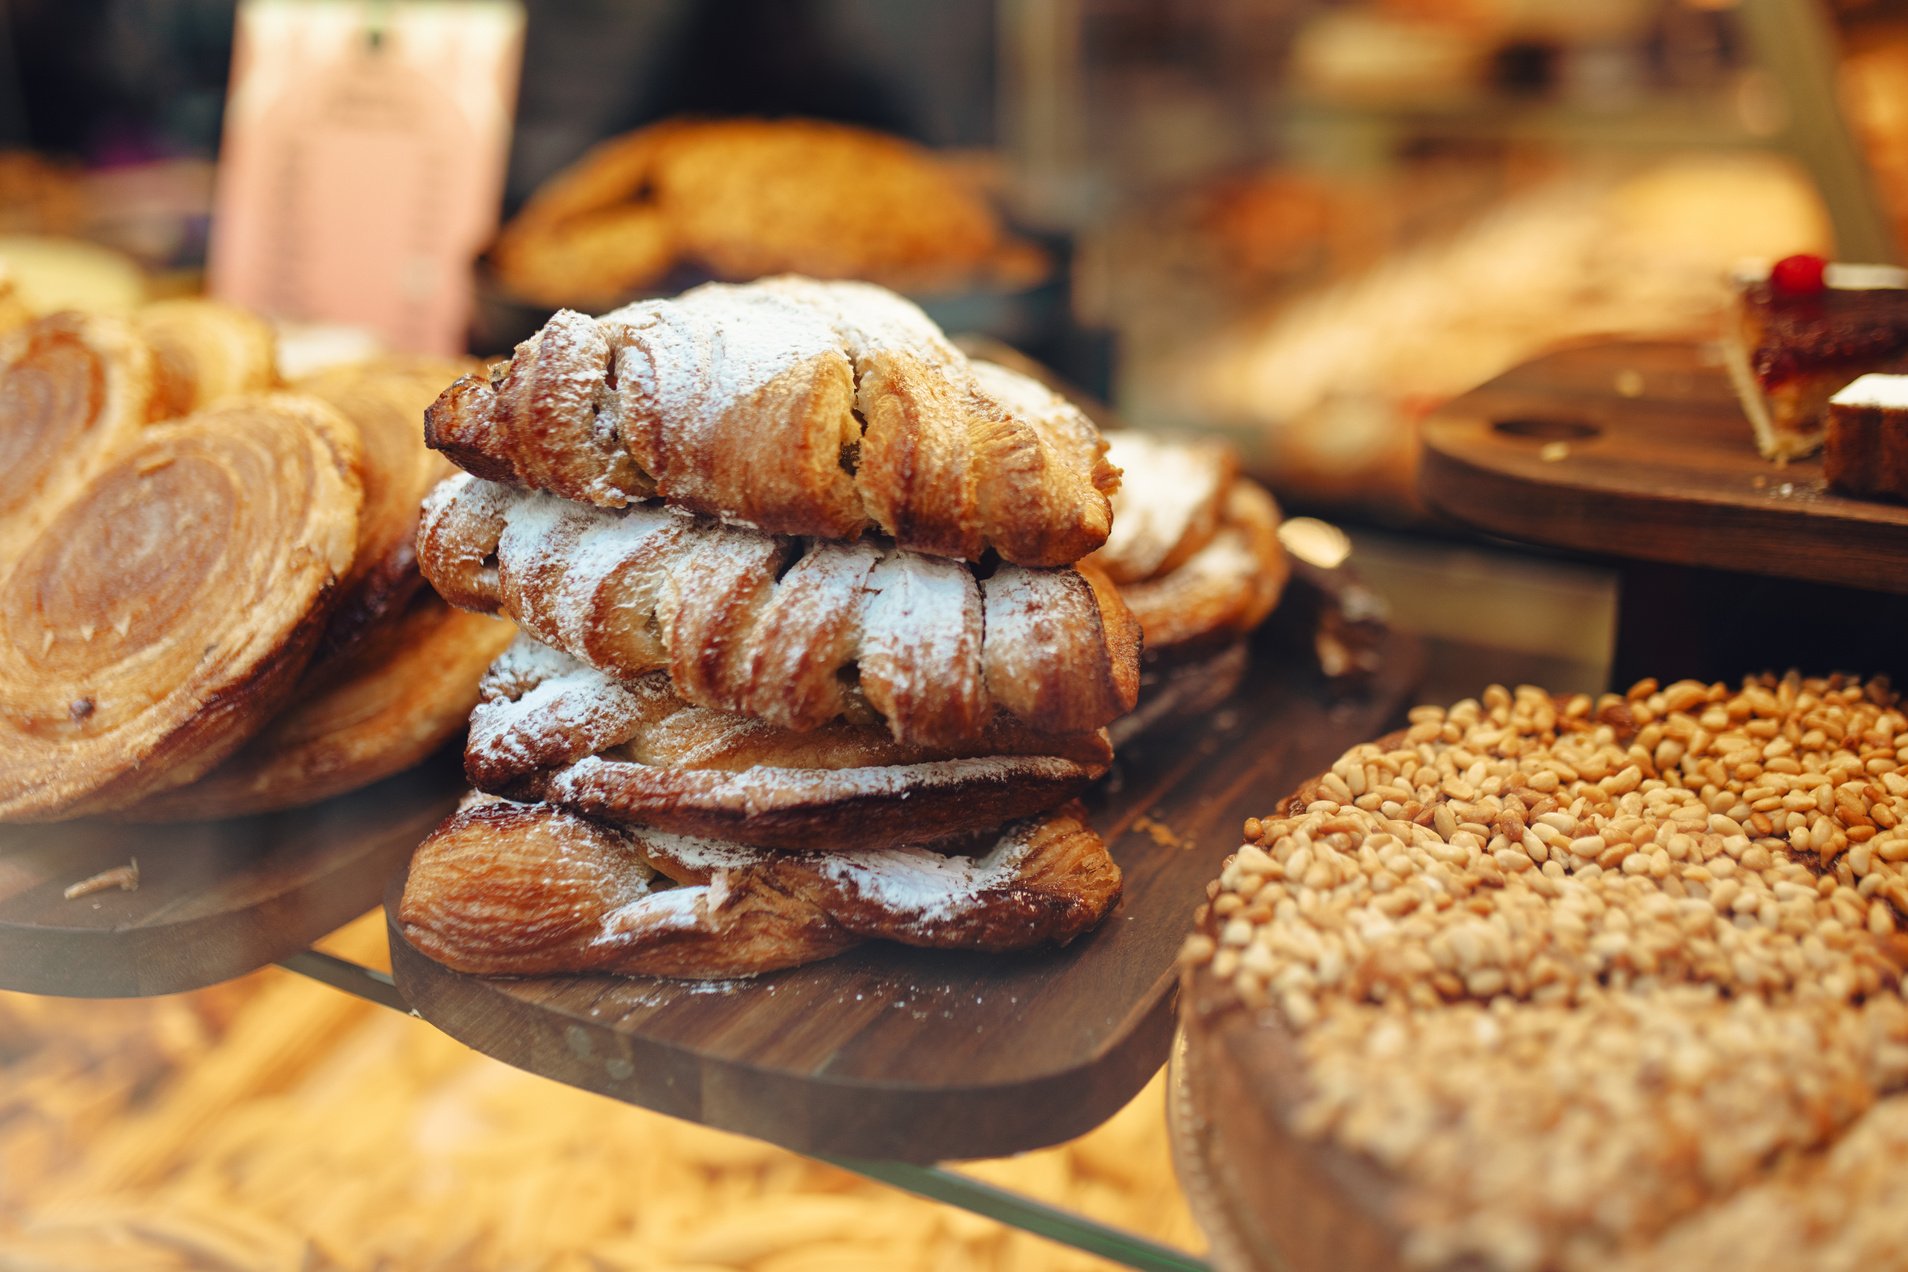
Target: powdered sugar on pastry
[1167, 505]
[744, 621]
[800, 407]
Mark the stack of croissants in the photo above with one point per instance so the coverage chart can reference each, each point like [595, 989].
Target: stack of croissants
[822, 625]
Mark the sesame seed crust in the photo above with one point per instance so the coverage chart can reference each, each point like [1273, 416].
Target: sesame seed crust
[1576, 973]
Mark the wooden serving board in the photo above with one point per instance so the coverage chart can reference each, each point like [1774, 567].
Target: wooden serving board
[919, 1055]
[215, 899]
[1641, 451]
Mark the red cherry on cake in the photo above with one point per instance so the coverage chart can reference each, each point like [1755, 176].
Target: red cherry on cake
[1799, 275]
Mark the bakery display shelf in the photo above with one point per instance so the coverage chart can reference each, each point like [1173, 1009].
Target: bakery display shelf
[934, 1183]
[1639, 452]
[902, 1054]
[213, 900]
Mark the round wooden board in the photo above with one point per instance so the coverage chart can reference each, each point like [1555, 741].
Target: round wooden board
[1641, 451]
[919, 1055]
[215, 899]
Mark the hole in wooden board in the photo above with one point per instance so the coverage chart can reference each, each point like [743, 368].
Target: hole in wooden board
[1546, 429]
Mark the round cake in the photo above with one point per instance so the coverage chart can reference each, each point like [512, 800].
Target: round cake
[1569, 983]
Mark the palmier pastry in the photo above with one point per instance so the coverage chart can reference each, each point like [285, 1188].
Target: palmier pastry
[632, 752]
[384, 400]
[795, 407]
[75, 391]
[525, 890]
[795, 632]
[746, 198]
[165, 605]
[395, 698]
[204, 350]
[1566, 984]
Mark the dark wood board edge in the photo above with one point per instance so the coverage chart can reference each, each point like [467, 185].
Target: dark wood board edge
[280, 901]
[891, 1121]
[1478, 478]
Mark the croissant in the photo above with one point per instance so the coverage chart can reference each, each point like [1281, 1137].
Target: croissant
[795, 407]
[356, 719]
[205, 350]
[168, 601]
[550, 728]
[796, 633]
[384, 401]
[527, 890]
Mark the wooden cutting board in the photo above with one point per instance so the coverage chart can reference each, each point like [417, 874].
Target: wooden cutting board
[215, 899]
[919, 1055]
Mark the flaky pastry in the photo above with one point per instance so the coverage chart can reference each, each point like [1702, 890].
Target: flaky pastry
[385, 401]
[796, 407]
[356, 719]
[795, 632]
[745, 198]
[75, 391]
[1223, 590]
[167, 605]
[633, 752]
[204, 350]
[525, 890]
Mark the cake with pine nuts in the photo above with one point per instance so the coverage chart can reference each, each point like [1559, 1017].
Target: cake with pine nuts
[1573, 983]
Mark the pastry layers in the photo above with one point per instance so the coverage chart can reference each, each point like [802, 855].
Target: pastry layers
[795, 632]
[795, 407]
[523, 890]
[632, 752]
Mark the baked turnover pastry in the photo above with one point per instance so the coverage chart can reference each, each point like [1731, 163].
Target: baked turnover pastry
[795, 632]
[1805, 329]
[741, 199]
[795, 407]
[1572, 983]
[523, 890]
[633, 752]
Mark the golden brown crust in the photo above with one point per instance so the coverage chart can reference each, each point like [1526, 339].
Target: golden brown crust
[796, 633]
[75, 391]
[393, 700]
[551, 728]
[385, 401]
[1169, 505]
[168, 606]
[1223, 590]
[794, 407]
[746, 198]
[508, 889]
[205, 350]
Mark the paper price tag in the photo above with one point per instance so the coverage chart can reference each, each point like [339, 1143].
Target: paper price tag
[363, 159]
